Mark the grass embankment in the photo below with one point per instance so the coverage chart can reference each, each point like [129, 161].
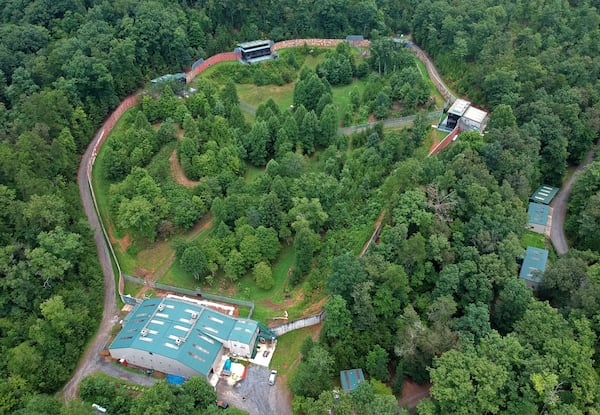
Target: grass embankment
[439, 99]
[533, 239]
[287, 353]
[101, 190]
[137, 258]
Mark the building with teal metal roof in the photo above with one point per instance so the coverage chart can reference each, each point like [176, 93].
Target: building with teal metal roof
[544, 194]
[351, 378]
[538, 217]
[169, 77]
[178, 335]
[534, 265]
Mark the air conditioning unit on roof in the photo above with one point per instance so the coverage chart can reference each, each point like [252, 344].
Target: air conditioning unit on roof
[194, 315]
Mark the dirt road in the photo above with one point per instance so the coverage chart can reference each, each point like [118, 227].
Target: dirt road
[90, 361]
[559, 204]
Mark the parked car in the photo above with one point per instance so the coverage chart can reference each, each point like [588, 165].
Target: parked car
[272, 377]
[222, 404]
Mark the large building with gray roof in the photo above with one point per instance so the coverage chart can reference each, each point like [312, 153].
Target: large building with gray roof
[180, 336]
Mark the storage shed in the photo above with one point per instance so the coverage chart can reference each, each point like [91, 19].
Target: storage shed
[534, 265]
[538, 217]
[544, 194]
[351, 378]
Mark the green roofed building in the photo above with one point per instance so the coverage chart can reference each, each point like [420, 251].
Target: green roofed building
[351, 378]
[170, 77]
[539, 216]
[180, 336]
[534, 265]
[544, 194]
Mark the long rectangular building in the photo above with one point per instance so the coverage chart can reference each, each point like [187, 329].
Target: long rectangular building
[178, 335]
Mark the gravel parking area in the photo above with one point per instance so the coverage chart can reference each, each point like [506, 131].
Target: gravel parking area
[253, 394]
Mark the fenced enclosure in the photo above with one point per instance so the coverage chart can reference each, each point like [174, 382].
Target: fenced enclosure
[194, 293]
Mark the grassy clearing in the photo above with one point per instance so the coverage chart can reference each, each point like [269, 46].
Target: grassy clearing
[175, 275]
[178, 277]
[282, 95]
[287, 353]
[269, 303]
[255, 95]
[312, 61]
[533, 239]
[253, 172]
[341, 95]
[131, 288]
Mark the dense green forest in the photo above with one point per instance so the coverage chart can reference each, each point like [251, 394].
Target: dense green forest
[437, 300]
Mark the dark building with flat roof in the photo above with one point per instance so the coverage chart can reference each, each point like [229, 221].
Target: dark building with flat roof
[255, 50]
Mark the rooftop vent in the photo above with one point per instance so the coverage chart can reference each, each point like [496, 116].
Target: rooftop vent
[161, 307]
[194, 315]
[178, 341]
[144, 332]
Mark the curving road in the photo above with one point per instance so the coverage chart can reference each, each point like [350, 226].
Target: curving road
[90, 362]
[559, 205]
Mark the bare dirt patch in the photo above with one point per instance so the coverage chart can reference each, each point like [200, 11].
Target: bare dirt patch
[178, 173]
[199, 227]
[123, 243]
[315, 308]
[412, 393]
[434, 144]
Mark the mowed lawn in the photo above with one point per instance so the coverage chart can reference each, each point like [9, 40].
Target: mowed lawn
[283, 96]
[287, 353]
[534, 239]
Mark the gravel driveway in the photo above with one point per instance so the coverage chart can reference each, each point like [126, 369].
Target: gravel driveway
[253, 394]
[560, 203]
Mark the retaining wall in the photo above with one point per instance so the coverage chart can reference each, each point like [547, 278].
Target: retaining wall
[324, 43]
[298, 324]
[221, 57]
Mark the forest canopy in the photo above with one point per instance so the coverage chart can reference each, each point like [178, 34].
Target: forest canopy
[437, 300]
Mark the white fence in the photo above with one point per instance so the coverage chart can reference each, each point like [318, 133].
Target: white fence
[298, 324]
